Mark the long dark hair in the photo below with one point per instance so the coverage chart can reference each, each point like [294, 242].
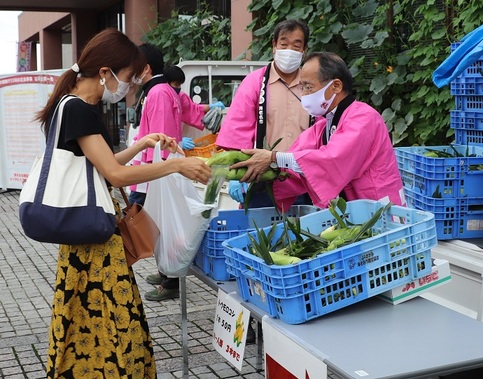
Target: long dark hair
[109, 48]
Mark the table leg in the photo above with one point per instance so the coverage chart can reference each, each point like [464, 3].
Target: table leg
[184, 326]
[259, 364]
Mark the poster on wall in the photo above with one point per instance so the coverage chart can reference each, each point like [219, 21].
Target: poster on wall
[23, 56]
[22, 95]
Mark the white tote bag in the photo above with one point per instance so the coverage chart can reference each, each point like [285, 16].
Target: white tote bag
[65, 199]
[175, 205]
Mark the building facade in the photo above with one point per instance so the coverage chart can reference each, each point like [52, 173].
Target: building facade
[60, 36]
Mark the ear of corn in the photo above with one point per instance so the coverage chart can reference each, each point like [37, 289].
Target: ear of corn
[302, 244]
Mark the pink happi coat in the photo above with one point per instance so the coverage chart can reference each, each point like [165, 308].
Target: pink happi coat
[358, 159]
[239, 128]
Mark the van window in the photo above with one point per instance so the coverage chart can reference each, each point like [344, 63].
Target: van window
[223, 88]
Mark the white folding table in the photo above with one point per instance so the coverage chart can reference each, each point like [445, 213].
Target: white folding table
[375, 339]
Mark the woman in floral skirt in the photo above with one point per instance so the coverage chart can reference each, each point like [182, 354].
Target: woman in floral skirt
[99, 328]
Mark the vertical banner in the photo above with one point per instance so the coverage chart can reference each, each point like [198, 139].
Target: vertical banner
[21, 138]
[230, 329]
[23, 56]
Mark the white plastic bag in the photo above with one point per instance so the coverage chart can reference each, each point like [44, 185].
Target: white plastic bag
[175, 205]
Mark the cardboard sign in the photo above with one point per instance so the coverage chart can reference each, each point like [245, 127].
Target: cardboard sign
[230, 329]
[440, 275]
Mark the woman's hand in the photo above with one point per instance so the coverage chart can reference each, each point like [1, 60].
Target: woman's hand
[169, 143]
[194, 168]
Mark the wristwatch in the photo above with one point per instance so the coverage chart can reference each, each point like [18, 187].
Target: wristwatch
[273, 161]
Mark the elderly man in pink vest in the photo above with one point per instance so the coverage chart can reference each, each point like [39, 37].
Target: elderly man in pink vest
[348, 151]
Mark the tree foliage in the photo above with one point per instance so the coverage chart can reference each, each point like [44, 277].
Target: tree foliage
[202, 36]
[392, 48]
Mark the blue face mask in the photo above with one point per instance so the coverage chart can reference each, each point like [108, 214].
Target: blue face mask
[177, 89]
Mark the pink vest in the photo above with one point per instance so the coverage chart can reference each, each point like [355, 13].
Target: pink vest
[358, 159]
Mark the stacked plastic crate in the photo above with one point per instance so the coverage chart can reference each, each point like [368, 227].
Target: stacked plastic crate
[452, 187]
[231, 223]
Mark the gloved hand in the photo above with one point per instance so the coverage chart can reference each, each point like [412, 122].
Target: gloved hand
[187, 143]
[236, 190]
[217, 104]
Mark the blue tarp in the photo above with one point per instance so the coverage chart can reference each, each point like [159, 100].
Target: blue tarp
[470, 50]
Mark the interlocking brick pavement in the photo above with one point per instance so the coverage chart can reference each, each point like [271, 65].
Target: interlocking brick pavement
[27, 275]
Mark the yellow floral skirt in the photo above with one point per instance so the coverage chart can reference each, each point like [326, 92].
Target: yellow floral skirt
[98, 328]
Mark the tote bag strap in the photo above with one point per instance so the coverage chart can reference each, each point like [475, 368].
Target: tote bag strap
[52, 142]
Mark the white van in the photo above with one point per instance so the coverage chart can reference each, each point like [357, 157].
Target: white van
[209, 81]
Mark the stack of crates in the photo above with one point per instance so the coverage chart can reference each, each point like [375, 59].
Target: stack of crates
[452, 188]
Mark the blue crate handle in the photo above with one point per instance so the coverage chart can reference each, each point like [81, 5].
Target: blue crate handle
[249, 274]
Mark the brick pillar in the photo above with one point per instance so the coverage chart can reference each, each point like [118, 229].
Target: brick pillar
[51, 49]
[83, 29]
[240, 38]
[141, 15]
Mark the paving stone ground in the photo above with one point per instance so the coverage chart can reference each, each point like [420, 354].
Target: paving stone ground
[27, 275]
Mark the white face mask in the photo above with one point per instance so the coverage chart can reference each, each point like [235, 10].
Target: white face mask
[139, 81]
[316, 104]
[288, 60]
[121, 92]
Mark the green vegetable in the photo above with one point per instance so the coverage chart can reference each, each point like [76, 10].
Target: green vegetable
[213, 188]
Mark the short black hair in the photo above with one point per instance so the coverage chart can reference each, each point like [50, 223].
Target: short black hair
[290, 26]
[154, 57]
[331, 66]
[174, 74]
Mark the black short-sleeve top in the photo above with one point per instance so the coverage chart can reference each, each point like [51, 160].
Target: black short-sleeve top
[81, 119]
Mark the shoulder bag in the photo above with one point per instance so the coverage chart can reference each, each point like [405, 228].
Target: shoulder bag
[138, 230]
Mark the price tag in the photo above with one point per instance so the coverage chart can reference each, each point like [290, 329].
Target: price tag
[230, 329]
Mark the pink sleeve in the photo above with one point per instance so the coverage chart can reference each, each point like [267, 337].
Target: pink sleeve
[191, 113]
[239, 128]
[160, 115]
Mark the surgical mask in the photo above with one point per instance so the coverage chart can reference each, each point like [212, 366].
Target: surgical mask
[288, 60]
[316, 104]
[121, 92]
[139, 81]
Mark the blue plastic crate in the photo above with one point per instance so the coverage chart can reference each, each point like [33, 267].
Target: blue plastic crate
[468, 137]
[466, 120]
[444, 177]
[475, 70]
[467, 86]
[455, 218]
[232, 223]
[213, 266]
[400, 253]
[469, 103]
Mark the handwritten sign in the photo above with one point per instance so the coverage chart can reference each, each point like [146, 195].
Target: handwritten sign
[230, 329]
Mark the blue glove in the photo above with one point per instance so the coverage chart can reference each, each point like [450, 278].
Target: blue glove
[217, 104]
[187, 143]
[236, 190]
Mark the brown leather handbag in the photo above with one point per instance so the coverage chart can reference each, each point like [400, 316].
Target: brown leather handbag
[138, 230]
